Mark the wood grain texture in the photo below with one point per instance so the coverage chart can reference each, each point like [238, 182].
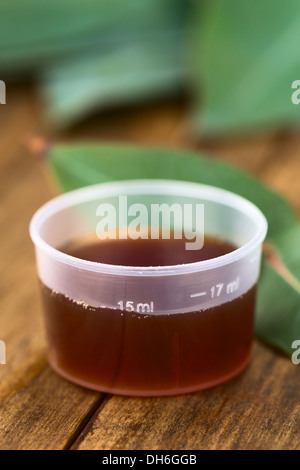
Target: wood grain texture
[39, 410]
[21, 193]
[45, 414]
[258, 410]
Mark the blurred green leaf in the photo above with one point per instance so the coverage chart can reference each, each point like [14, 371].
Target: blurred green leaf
[244, 60]
[132, 71]
[278, 313]
[78, 165]
[278, 316]
[94, 53]
[34, 34]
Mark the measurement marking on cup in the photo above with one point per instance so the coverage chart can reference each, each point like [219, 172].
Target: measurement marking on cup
[199, 294]
[233, 286]
[218, 289]
[131, 306]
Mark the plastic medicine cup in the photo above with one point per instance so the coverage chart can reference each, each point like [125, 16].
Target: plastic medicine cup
[148, 331]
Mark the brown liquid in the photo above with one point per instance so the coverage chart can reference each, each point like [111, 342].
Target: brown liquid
[147, 354]
[146, 252]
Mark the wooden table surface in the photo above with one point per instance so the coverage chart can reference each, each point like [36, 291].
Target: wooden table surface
[260, 409]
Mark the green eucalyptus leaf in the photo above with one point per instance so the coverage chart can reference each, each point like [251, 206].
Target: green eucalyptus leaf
[35, 34]
[84, 164]
[244, 61]
[125, 73]
[278, 313]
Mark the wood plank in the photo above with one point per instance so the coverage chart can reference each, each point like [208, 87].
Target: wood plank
[21, 192]
[39, 410]
[18, 119]
[45, 414]
[258, 410]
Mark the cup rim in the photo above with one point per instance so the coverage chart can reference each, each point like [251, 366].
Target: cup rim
[149, 186]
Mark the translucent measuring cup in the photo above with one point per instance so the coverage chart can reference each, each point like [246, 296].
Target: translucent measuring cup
[148, 330]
